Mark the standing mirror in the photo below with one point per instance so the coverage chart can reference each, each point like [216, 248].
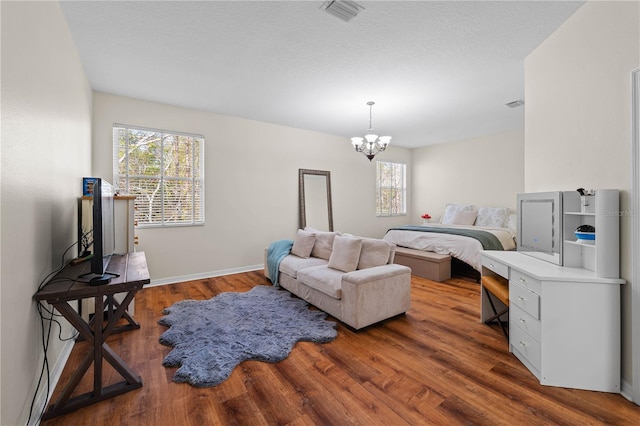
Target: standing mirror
[314, 195]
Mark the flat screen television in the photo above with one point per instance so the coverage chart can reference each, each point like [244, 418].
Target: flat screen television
[539, 232]
[103, 233]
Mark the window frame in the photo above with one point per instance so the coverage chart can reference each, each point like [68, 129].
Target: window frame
[380, 212]
[196, 179]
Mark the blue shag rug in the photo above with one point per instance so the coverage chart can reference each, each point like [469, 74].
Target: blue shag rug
[211, 337]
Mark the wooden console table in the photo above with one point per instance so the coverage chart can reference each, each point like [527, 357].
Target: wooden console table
[65, 287]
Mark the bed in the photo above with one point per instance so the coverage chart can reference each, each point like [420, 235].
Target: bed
[464, 232]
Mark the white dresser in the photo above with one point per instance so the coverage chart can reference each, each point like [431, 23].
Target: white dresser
[564, 322]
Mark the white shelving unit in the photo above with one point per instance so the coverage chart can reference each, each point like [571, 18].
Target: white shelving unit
[602, 257]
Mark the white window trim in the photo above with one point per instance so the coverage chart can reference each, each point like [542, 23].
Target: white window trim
[200, 179]
[403, 188]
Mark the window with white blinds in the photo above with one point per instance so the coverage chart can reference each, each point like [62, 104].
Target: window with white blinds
[391, 189]
[164, 170]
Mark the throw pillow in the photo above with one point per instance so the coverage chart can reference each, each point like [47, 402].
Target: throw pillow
[374, 253]
[323, 245]
[496, 217]
[451, 210]
[345, 253]
[465, 217]
[303, 244]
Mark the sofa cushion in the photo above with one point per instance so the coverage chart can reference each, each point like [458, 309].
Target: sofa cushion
[323, 244]
[291, 264]
[324, 279]
[303, 243]
[345, 253]
[374, 253]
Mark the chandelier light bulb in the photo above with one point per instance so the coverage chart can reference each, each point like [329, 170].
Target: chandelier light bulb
[371, 138]
[385, 140]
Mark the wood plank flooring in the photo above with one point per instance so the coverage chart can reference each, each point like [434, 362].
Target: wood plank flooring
[436, 365]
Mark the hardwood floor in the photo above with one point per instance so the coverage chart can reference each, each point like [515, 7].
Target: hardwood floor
[435, 365]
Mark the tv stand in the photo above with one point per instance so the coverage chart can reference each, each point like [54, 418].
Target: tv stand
[131, 275]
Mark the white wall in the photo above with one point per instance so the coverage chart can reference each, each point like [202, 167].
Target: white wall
[251, 199]
[578, 116]
[484, 171]
[46, 149]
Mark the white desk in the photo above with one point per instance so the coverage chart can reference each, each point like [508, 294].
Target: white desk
[564, 322]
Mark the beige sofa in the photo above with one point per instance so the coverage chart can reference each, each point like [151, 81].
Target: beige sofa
[353, 279]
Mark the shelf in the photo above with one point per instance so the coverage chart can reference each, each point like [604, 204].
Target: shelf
[601, 257]
[575, 243]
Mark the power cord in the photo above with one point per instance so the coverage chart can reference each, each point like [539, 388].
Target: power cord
[46, 334]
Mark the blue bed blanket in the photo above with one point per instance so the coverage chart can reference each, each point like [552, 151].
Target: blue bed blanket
[277, 251]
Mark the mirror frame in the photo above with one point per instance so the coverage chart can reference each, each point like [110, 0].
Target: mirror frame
[301, 195]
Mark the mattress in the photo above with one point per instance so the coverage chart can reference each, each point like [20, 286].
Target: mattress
[462, 247]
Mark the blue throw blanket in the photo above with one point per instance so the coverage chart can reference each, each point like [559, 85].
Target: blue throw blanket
[277, 251]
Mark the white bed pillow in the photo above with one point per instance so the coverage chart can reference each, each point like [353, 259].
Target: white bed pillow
[495, 217]
[450, 212]
[345, 253]
[303, 243]
[467, 217]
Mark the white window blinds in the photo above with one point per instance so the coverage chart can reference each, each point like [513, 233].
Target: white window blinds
[164, 170]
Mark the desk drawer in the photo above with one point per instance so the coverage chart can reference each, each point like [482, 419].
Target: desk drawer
[525, 346]
[525, 322]
[495, 266]
[526, 281]
[524, 299]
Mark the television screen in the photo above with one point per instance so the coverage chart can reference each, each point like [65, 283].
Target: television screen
[103, 233]
[540, 225]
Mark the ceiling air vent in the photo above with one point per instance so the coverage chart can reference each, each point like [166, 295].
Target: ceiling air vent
[515, 104]
[343, 9]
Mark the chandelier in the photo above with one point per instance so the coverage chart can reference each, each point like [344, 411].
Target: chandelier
[371, 144]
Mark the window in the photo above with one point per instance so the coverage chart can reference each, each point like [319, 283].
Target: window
[164, 170]
[391, 189]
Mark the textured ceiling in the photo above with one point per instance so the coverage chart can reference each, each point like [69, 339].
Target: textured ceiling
[438, 71]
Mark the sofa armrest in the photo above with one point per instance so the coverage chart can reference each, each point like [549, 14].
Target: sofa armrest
[376, 273]
[374, 294]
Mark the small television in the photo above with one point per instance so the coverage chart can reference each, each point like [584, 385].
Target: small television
[103, 233]
[539, 231]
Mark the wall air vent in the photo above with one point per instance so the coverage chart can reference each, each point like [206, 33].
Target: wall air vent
[343, 9]
[515, 104]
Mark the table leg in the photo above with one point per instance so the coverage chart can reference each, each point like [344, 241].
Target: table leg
[96, 336]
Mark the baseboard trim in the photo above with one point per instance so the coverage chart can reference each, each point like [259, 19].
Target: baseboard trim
[203, 275]
[41, 399]
[626, 390]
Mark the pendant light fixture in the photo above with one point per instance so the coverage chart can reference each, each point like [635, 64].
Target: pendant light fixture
[371, 144]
